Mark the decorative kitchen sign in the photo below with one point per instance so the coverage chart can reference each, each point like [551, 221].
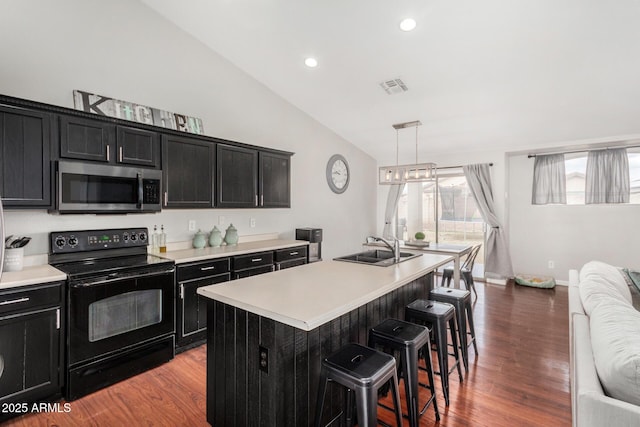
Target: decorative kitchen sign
[105, 106]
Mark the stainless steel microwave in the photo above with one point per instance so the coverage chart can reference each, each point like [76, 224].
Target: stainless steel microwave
[96, 188]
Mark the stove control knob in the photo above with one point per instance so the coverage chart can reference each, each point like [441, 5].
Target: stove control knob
[60, 242]
[134, 237]
[73, 241]
[142, 237]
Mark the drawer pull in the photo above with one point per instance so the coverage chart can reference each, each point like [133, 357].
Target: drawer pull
[293, 253]
[256, 259]
[15, 301]
[207, 268]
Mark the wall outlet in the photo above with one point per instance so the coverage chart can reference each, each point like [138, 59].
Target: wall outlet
[263, 359]
[551, 264]
[221, 220]
[253, 223]
[192, 225]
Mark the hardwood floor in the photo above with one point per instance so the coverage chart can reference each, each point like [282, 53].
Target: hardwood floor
[519, 378]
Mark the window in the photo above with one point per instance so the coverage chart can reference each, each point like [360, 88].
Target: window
[576, 167]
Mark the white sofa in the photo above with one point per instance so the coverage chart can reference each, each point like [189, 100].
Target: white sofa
[604, 330]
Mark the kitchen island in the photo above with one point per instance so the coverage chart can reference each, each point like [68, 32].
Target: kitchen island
[267, 334]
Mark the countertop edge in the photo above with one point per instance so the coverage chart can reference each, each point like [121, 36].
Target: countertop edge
[32, 275]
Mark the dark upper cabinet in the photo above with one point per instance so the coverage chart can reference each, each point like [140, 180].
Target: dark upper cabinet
[187, 172]
[25, 179]
[86, 139]
[95, 140]
[275, 180]
[237, 177]
[138, 147]
[248, 178]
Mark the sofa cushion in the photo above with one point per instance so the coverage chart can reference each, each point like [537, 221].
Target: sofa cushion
[608, 273]
[596, 290]
[615, 340]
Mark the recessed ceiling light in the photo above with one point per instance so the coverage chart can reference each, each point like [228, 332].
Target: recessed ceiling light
[407, 24]
[311, 62]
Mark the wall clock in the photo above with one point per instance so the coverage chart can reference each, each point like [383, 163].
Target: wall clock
[338, 174]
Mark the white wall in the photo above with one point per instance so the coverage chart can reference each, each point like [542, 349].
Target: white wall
[124, 50]
[568, 235]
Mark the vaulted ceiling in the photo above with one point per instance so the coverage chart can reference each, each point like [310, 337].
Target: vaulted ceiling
[481, 75]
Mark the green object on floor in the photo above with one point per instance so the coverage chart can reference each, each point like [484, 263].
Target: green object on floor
[544, 282]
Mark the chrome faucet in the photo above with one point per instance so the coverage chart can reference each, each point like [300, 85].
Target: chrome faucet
[395, 249]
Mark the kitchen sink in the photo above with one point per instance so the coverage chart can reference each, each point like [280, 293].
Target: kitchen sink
[377, 257]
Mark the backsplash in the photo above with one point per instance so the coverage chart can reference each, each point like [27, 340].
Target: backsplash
[38, 224]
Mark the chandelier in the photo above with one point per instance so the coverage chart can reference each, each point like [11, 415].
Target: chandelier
[401, 174]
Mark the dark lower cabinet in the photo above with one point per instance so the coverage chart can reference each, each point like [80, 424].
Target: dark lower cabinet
[25, 154]
[31, 348]
[187, 172]
[252, 264]
[291, 257]
[191, 308]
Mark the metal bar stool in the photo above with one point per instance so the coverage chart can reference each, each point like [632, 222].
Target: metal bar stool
[408, 339]
[461, 300]
[362, 370]
[437, 315]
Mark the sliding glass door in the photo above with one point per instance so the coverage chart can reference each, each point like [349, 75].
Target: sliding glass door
[445, 211]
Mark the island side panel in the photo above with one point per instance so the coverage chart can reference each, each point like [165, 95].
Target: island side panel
[239, 393]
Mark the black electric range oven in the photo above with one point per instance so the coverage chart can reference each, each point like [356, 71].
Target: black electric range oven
[120, 318]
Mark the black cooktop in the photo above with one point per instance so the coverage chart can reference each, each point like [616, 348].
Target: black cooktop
[102, 252]
[77, 269]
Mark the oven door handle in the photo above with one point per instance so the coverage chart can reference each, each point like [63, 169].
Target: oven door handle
[140, 192]
[116, 277]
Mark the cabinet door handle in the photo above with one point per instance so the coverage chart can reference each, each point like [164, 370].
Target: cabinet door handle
[120, 153]
[261, 200]
[207, 268]
[108, 156]
[181, 291]
[256, 259]
[256, 200]
[166, 198]
[58, 319]
[15, 301]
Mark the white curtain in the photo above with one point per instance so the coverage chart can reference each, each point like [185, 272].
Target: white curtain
[395, 191]
[607, 179]
[549, 180]
[497, 257]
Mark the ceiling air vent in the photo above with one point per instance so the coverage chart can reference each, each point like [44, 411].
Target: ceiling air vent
[394, 86]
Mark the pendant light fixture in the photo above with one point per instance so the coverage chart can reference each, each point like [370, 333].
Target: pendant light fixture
[401, 174]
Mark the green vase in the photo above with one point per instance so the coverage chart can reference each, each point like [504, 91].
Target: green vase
[231, 235]
[215, 237]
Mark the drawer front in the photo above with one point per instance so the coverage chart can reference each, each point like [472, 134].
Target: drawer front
[202, 269]
[29, 297]
[258, 259]
[253, 271]
[291, 253]
[291, 263]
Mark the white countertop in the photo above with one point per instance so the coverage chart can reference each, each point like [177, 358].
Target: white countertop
[190, 255]
[30, 276]
[310, 295]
